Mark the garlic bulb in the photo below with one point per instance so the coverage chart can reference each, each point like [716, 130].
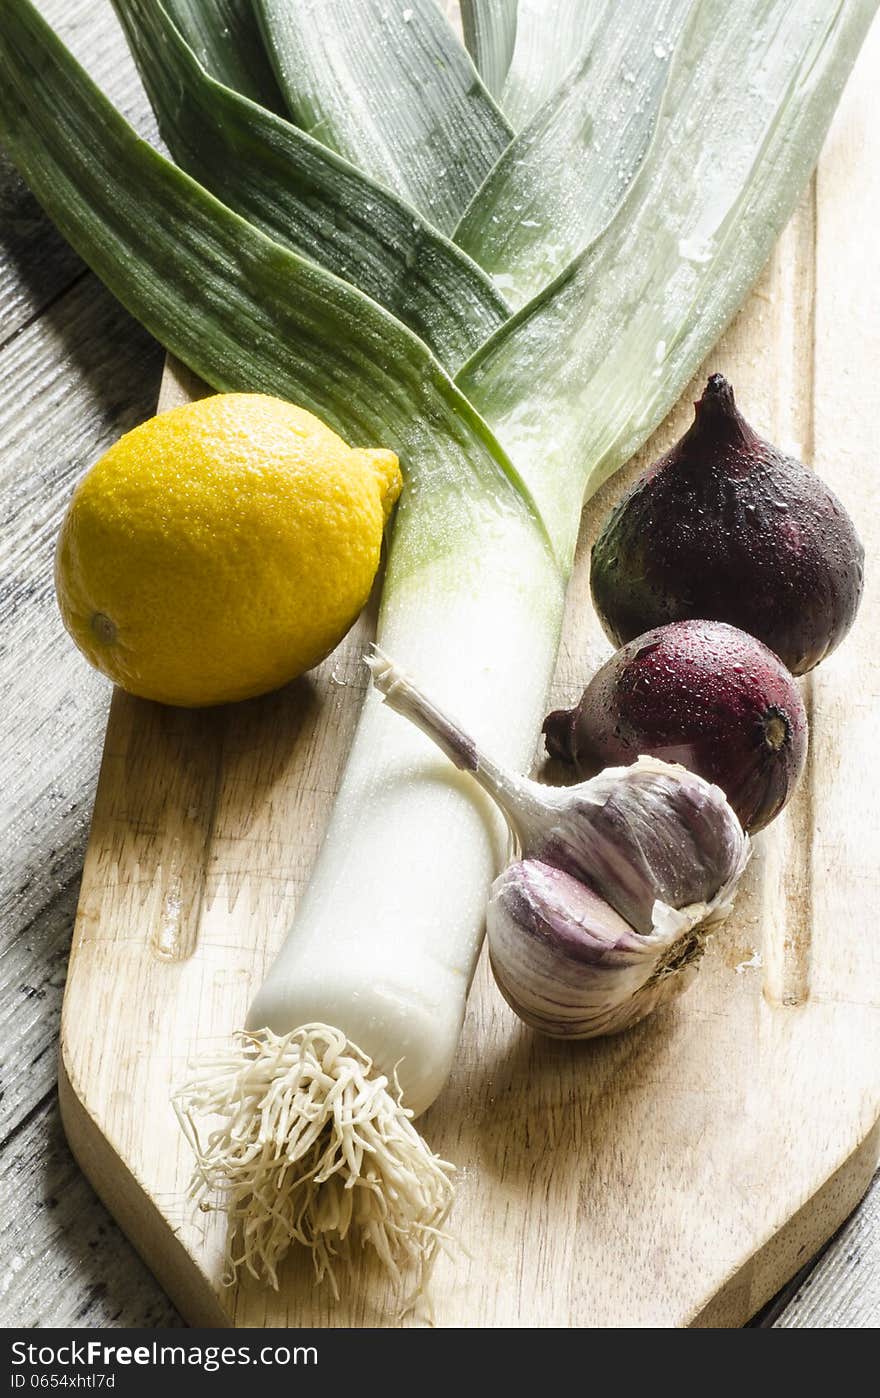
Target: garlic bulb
[570, 966]
[621, 879]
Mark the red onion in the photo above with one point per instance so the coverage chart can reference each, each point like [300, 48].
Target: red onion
[700, 693]
[726, 526]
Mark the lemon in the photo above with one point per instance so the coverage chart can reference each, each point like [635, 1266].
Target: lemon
[221, 549]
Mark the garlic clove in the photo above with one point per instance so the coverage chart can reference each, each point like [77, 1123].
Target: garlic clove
[572, 968]
[639, 833]
[642, 833]
[555, 948]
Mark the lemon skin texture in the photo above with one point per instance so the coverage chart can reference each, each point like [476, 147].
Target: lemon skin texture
[221, 549]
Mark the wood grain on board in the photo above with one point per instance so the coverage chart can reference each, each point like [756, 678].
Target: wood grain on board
[676, 1175]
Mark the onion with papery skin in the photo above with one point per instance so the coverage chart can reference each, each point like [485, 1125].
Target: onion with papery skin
[726, 527]
[701, 693]
[620, 881]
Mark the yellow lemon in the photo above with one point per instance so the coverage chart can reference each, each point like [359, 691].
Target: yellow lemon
[221, 549]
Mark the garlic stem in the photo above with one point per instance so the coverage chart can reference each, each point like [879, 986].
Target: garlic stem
[522, 802]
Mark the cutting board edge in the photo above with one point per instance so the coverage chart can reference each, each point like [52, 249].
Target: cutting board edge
[798, 1240]
[145, 1226]
[741, 1295]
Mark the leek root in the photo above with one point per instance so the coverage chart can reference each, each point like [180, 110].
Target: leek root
[304, 1121]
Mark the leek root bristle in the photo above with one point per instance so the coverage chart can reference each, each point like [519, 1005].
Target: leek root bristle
[312, 1149]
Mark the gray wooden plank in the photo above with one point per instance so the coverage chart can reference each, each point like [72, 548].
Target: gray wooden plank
[65, 1262]
[36, 264]
[57, 415]
[842, 1290]
[33, 965]
[75, 372]
[69, 384]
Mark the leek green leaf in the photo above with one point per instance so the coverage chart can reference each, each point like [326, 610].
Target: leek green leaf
[490, 35]
[579, 378]
[225, 37]
[562, 178]
[304, 195]
[551, 36]
[387, 84]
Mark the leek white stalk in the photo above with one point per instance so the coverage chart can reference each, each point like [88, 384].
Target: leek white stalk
[381, 954]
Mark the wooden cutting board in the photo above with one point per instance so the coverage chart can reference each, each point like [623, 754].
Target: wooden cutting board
[677, 1175]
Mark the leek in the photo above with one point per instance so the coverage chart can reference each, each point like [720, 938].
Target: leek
[423, 123]
[371, 977]
[490, 35]
[246, 313]
[294, 189]
[225, 37]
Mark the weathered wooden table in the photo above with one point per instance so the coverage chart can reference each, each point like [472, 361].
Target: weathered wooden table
[75, 372]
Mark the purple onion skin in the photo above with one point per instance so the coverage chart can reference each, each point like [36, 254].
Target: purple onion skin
[700, 693]
[728, 528]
